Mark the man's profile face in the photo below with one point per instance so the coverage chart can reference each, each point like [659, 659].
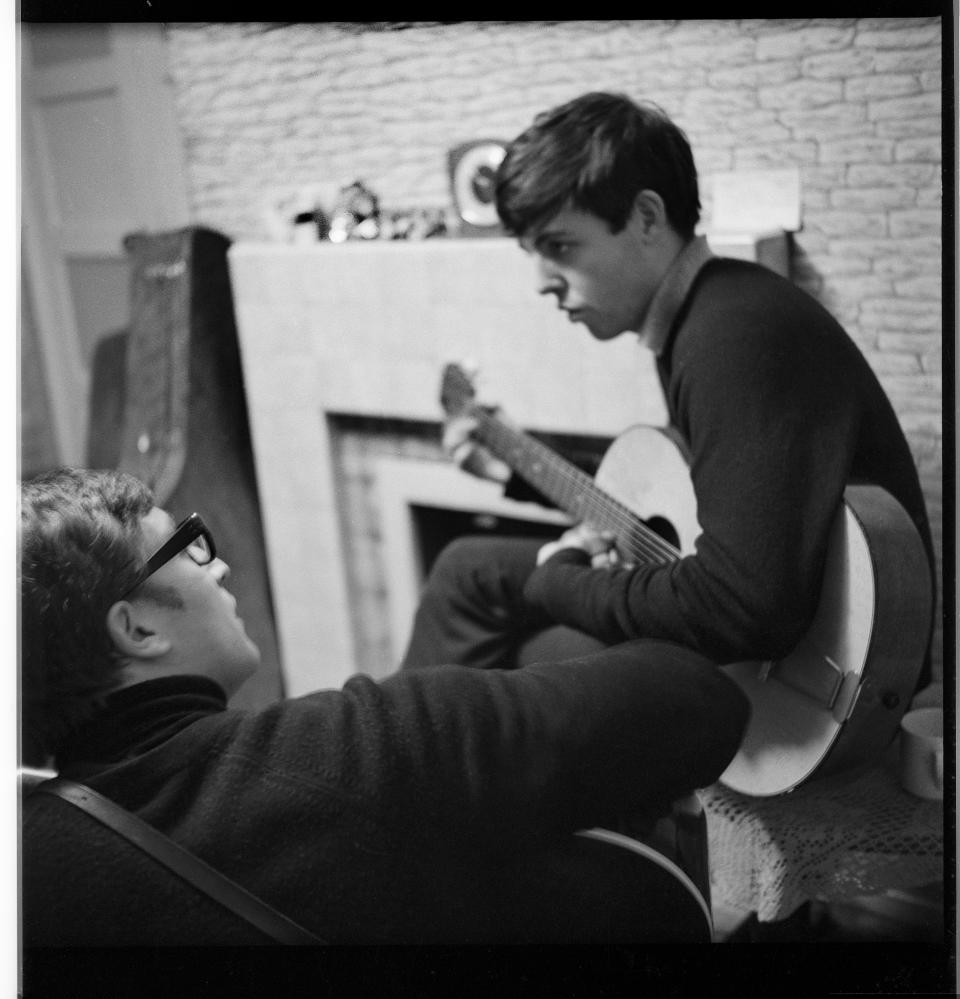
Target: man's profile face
[599, 278]
[208, 633]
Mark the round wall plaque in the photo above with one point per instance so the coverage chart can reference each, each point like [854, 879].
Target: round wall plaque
[473, 170]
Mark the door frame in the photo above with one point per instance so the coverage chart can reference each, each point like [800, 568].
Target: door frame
[149, 151]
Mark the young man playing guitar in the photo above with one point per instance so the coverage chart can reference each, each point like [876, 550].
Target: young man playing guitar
[776, 409]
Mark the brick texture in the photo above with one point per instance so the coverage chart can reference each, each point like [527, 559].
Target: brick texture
[267, 110]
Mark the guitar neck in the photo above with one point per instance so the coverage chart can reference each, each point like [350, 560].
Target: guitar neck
[571, 489]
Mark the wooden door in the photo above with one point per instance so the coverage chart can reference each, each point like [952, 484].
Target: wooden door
[100, 158]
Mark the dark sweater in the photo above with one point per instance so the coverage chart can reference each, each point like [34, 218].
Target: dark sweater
[780, 411]
[392, 812]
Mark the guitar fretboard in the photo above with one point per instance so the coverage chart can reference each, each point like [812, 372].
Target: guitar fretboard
[573, 490]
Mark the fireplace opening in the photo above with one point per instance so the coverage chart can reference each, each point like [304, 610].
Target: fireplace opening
[422, 506]
[435, 527]
[665, 529]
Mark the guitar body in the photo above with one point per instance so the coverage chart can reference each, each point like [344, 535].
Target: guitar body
[838, 698]
[646, 470]
[836, 701]
[597, 887]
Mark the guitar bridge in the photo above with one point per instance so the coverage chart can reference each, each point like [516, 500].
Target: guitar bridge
[817, 676]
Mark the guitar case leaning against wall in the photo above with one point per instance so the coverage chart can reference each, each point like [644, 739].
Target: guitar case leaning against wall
[168, 405]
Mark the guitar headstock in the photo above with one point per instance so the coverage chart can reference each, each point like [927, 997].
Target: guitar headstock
[457, 393]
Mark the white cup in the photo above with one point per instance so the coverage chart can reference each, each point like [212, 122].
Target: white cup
[921, 752]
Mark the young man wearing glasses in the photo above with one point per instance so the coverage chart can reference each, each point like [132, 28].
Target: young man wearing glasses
[189, 616]
[384, 812]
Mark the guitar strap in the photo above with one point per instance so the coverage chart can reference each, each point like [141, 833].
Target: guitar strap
[181, 862]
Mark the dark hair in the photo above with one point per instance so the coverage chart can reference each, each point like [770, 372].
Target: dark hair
[80, 547]
[596, 153]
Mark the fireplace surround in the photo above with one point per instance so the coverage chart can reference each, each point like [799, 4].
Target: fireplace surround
[362, 330]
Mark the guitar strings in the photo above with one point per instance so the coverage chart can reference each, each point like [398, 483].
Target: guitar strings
[583, 496]
[638, 539]
[634, 537]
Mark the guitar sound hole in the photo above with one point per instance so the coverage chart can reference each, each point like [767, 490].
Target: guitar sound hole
[663, 527]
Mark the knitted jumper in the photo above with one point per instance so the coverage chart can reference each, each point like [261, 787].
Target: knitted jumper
[403, 811]
[780, 411]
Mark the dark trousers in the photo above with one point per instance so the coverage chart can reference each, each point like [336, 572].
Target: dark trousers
[472, 611]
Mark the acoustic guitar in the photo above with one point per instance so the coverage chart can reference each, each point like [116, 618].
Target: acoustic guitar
[837, 699]
[601, 886]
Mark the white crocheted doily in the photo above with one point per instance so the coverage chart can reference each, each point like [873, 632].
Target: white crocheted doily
[832, 838]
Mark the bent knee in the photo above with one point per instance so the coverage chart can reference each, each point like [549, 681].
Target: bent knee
[466, 554]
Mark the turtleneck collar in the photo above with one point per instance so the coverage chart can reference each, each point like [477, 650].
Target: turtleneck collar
[672, 292]
[135, 719]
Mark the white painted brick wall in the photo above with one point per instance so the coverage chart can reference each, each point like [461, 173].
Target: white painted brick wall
[853, 102]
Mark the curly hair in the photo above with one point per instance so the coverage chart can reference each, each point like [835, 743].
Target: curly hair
[597, 153]
[80, 548]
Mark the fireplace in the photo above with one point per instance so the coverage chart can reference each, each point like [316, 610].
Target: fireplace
[343, 348]
[423, 505]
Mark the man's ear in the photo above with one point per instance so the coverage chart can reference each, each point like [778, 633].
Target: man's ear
[134, 633]
[650, 211]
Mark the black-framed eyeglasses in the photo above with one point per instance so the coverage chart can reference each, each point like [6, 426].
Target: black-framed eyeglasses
[192, 536]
